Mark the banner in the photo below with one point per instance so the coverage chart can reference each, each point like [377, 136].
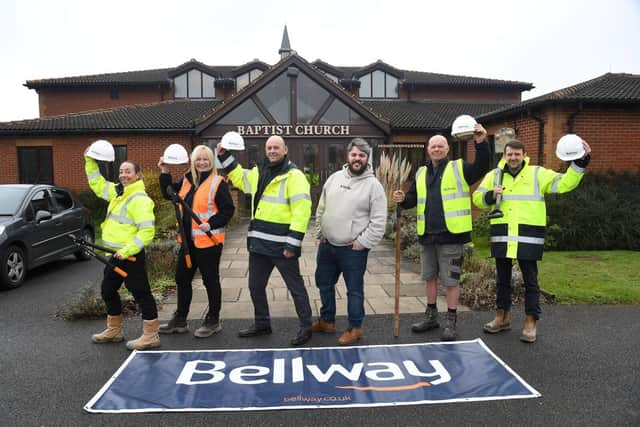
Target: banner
[259, 379]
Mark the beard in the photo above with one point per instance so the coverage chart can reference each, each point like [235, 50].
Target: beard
[360, 171]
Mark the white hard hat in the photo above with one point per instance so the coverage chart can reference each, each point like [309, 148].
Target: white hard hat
[102, 150]
[570, 147]
[175, 154]
[232, 141]
[463, 126]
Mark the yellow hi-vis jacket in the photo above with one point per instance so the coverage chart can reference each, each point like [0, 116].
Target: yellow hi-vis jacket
[130, 222]
[520, 233]
[204, 206]
[456, 202]
[280, 218]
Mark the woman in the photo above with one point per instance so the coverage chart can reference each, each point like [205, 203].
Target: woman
[207, 193]
[127, 229]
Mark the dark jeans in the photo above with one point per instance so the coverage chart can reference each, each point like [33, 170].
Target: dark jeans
[260, 268]
[207, 260]
[136, 282]
[529, 270]
[332, 261]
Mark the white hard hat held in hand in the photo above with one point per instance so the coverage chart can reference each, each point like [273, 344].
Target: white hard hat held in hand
[232, 141]
[101, 150]
[463, 127]
[175, 154]
[570, 147]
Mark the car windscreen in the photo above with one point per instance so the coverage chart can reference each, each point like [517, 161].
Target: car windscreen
[11, 198]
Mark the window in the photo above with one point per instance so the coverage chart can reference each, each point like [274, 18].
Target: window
[62, 199]
[111, 170]
[310, 97]
[194, 84]
[378, 84]
[245, 79]
[35, 165]
[245, 113]
[276, 98]
[41, 201]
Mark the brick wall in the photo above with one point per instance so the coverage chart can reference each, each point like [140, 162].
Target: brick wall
[612, 132]
[68, 154]
[57, 101]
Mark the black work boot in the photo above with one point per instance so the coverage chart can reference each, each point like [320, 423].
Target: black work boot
[430, 322]
[449, 332]
[177, 325]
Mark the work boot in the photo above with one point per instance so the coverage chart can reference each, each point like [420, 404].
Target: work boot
[430, 321]
[529, 331]
[502, 322]
[209, 327]
[350, 336]
[149, 337]
[113, 333]
[449, 332]
[254, 331]
[302, 337]
[177, 325]
[321, 325]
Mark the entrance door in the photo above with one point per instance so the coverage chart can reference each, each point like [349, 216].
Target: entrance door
[318, 160]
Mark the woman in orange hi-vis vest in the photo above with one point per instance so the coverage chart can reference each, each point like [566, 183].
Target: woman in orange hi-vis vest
[207, 193]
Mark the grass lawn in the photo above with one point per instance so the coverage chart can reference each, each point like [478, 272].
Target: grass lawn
[588, 277]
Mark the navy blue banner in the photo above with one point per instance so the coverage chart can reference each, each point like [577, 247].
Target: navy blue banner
[229, 380]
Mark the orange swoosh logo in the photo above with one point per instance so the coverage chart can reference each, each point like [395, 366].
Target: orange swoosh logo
[388, 388]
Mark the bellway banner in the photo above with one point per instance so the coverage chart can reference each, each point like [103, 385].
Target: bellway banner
[259, 379]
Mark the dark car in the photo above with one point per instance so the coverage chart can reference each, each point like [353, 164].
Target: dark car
[35, 221]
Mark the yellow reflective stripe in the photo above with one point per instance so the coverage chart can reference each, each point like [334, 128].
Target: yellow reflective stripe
[275, 238]
[452, 214]
[146, 224]
[112, 244]
[198, 232]
[576, 168]
[521, 198]
[214, 183]
[105, 192]
[556, 181]
[138, 243]
[302, 196]
[422, 200]
[227, 162]
[496, 177]
[519, 239]
[454, 196]
[94, 176]
[245, 180]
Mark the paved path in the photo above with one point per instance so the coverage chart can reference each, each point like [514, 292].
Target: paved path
[379, 283]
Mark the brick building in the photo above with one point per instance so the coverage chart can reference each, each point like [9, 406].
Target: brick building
[316, 107]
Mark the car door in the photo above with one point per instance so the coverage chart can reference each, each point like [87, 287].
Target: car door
[70, 216]
[44, 240]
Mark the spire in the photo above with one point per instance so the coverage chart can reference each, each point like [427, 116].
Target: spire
[285, 47]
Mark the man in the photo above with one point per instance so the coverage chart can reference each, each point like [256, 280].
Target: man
[519, 234]
[351, 218]
[280, 212]
[441, 193]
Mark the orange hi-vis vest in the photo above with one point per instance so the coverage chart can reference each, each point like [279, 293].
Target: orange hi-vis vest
[204, 206]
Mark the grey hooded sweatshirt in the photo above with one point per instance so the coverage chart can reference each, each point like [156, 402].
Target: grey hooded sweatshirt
[352, 208]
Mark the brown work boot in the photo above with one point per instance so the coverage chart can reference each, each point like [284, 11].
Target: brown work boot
[350, 336]
[149, 337]
[321, 325]
[529, 331]
[502, 322]
[113, 333]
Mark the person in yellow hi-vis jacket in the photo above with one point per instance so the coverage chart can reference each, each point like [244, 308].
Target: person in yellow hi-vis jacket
[128, 227]
[280, 212]
[519, 234]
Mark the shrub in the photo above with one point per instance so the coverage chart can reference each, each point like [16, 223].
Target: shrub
[87, 305]
[601, 214]
[97, 207]
[164, 210]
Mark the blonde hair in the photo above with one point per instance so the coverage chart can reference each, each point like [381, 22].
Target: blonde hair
[200, 149]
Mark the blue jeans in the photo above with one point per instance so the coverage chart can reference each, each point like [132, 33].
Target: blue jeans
[331, 262]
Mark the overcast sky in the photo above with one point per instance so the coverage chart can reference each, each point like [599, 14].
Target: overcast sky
[550, 43]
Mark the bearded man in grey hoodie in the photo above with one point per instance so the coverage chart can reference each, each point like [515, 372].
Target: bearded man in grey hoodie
[351, 219]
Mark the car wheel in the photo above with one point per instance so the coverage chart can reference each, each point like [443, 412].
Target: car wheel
[87, 236]
[14, 268]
